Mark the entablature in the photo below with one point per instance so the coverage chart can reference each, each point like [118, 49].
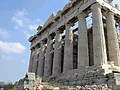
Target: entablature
[72, 10]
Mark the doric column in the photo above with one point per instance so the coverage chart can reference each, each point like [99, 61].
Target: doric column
[35, 61]
[48, 59]
[41, 59]
[57, 54]
[83, 57]
[68, 49]
[113, 45]
[99, 47]
[31, 61]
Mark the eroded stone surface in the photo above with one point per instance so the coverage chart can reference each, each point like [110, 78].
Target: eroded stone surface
[85, 51]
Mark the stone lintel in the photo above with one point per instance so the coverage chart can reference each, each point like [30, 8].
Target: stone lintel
[58, 14]
[109, 7]
[49, 21]
[67, 6]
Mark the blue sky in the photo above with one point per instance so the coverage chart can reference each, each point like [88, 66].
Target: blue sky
[18, 21]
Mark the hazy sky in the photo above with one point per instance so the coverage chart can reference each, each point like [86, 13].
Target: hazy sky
[18, 21]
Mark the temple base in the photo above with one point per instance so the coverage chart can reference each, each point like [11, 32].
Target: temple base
[105, 74]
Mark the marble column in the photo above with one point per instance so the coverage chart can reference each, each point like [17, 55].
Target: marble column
[99, 46]
[83, 56]
[41, 59]
[48, 59]
[33, 57]
[57, 54]
[68, 49]
[35, 61]
[113, 45]
[31, 61]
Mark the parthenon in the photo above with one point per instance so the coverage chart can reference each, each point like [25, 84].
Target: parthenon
[82, 38]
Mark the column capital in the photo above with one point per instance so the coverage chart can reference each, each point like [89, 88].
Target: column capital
[81, 14]
[69, 24]
[110, 13]
[94, 6]
[57, 32]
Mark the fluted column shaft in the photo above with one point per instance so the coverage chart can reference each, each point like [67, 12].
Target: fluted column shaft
[57, 54]
[35, 61]
[68, 49]
[48, 59]
[40, 71]
[83, 57]
[31, 61]
[113, 45]
[99, 46]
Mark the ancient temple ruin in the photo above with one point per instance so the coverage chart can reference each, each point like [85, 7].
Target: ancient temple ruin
[79, 45]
